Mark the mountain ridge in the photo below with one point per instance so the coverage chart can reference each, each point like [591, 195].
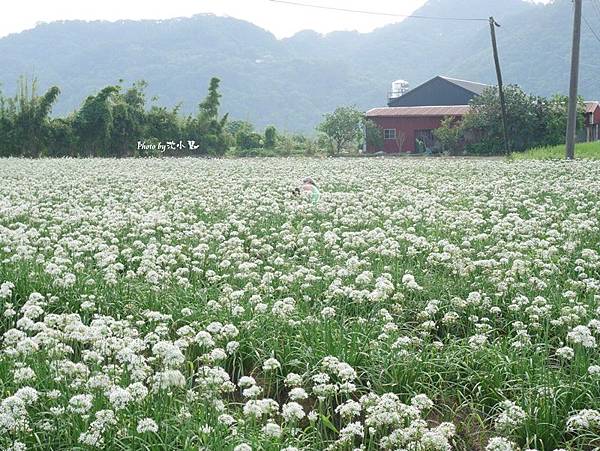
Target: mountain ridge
[292, 82]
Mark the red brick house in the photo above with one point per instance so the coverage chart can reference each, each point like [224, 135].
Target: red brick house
[592, 121]
[403, 126]
[414, 115]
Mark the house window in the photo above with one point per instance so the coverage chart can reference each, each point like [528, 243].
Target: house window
[389, 133]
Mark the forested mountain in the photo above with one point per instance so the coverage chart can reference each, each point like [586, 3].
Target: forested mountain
[292, 82]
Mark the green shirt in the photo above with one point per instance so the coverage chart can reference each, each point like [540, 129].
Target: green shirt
[315, 195]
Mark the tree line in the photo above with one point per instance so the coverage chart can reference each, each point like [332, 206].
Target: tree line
[108, 124]
[116, 122]
[532, 121]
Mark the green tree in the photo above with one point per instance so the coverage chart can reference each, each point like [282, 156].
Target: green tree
[207, 129]
[531, 121]
[209, 108]
[62, 140]
[25, 122]
[6, 122]
[245, 139]
[449, 135]
[239, 133]
[94, 121]
[374, 134]
[485, 119]
[555, 112]
[7, 143]
[270, 137]
[342, 127]
[233, 127]
[162, 125]
[128, 120]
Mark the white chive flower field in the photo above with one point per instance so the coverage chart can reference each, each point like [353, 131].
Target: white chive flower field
[190, 304]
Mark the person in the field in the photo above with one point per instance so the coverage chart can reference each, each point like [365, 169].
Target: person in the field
[308, 188]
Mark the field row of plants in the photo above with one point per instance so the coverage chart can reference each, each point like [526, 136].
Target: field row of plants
[423, 305]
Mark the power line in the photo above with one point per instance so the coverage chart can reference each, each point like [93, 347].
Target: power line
[591, 29]
[596, 6]
[374, 13]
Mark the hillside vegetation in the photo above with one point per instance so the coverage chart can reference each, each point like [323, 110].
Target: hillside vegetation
[291, 83]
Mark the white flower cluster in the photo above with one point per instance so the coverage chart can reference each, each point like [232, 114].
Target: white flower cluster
[511, 417]
[584, 420]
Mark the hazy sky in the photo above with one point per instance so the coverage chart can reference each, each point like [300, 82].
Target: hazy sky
[282, 20]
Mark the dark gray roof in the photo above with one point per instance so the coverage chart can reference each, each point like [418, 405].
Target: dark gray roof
[472, 86]
[440, 91]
